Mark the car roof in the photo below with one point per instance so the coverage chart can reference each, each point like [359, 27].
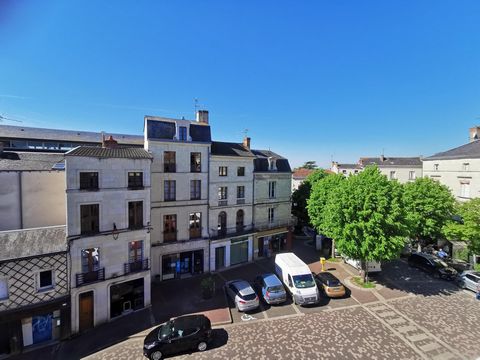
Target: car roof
[426, 256]
[271, 279]
[188, 321]
[472, 272]
[243, 287]
[327, 275]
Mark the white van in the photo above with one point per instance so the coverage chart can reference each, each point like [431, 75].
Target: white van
[297, 277]
[372, 266]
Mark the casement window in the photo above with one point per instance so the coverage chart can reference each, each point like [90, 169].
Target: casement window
[135, 180]
[241, 171]
[90, 260]
[393, 175]
[169, 190]
[195, 189]
[222, 222]
[271, 215]
[45, 280]
[170, 228]
[195, 162]
[89, 219]
[412, 175]
[272, 189]
[465, 189]
[3, 289]
[240, 220]
[182, 133]
[169, 162]
[435, 167]
[195, 225]
[89, 181]
[222, 171]
[135, 251]
[466, 167]
[135, 214]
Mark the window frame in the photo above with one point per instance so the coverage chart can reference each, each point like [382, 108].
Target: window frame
[137, 222]
[89, 184]
[241, 191]
[223, 171]
[173, 225]
[133, 247]
[241, 171]
[44, 288]
[195, 189]
[91, 216]
[195, 167]
[182, 133]
[223, 193]
[271, 215]
[135, 180]
[92, 266]
[169, 161]
[272, 189]
[167, 189]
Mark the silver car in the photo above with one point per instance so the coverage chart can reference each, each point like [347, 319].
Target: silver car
[242, 295]
[469, 279]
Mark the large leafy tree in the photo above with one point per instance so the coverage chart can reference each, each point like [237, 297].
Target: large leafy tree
[467, 225]
[300, 196]
[311, 165]
[428, 205]
[365, 215]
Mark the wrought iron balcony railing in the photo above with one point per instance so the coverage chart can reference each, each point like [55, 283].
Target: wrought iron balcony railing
[136, 266]
[90, 277]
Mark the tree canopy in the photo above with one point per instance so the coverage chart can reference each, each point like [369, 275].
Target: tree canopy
[467, 226]
[428, 205]
[300, 196]
[311, 165]
[365, 215]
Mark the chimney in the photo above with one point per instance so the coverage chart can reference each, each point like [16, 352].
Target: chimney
[246, 142]
[202, 116]
[382, 158]
[473, 132]
[110, 143]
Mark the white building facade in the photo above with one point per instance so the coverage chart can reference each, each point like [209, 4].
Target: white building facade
[108, 214]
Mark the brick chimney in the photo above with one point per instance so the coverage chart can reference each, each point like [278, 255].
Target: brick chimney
[202, 116]
[474, 133]
[110, 143]
[246, 142]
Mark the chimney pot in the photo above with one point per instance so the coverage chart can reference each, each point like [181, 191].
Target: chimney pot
[473, 132]
[110, 143]
[202, 116]
[246, 142]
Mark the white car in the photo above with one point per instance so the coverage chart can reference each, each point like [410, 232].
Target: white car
[242, 294]
[469, 279]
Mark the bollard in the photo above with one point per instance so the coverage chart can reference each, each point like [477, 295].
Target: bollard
[322, 262]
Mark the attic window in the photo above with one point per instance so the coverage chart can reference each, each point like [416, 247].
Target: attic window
[272, 164]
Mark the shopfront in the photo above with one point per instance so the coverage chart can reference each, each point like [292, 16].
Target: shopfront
[239, 250]
[272, 244]
[126, 297]
[182, 264]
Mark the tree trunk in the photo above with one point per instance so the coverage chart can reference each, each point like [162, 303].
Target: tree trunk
[362, 270]
[333, 249]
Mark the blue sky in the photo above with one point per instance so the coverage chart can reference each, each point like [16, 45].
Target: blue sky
[312, 80]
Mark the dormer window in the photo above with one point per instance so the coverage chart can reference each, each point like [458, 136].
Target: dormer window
[272, 164]
[182, 133]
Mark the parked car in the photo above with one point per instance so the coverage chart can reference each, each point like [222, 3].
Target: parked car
[468, 280]
[191, 332]
[242, 294]
[432, 265]
[270, 288]
[331, 285]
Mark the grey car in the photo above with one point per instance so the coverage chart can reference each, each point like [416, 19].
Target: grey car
[270, 288]
[242, 294]
[469, 279]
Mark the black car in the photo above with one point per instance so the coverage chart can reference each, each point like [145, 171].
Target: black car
[432, 265]
[178, 335]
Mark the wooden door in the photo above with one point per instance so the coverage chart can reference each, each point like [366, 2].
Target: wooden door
[85, 311]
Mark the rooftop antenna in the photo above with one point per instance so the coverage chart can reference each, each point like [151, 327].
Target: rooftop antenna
[3, 118]
[196, 105]
[245, 132]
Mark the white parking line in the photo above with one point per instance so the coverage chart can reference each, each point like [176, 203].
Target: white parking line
[295, 307]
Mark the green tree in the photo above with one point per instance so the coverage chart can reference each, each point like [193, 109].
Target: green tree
[300, 196]
[311, 165]
[428, 205]
[365, 215]
[467, 226]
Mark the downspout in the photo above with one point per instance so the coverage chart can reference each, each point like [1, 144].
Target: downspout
[20, 198]
[208, 208]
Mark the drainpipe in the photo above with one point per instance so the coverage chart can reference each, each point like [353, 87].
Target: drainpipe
[208, 208]
[20, 198]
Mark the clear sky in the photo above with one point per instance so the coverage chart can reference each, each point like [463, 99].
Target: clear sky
[312, 80]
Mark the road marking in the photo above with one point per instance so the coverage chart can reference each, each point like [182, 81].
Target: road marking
[295, 307]
[247, 317]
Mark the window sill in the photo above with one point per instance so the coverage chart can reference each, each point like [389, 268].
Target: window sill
[89, 190]
[136, 188]
[45, 290]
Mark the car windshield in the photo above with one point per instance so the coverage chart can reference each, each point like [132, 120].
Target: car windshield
[275, 289]
[165, 330]
[440, 263]
[333, 282]
[303, 281]
[249, 296]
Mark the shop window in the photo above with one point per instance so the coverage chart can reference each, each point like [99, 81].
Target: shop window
[45, 280]
[135, 180]
[89, 223]
[135, 215]
[89, 181]
[195, 162]
[169, 161]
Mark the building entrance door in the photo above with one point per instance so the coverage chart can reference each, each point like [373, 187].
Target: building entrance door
[85, 311]
[219, 257]
[198, 262]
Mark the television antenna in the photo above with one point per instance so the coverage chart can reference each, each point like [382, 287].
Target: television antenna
[3, 118]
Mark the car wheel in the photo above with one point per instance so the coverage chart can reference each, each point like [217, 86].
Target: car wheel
[156, 355]
[202, 346]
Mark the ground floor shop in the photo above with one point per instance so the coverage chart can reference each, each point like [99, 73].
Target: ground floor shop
[229, 252]
[267, 244]
[97, 303]
[34, 325]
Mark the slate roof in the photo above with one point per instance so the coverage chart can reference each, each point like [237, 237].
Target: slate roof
[349, 166]
[28, 161]
[392, 161]
[23, 132]
[260, 163]
[467, 151]
[30, 242]
[220, 148]
[116, 152]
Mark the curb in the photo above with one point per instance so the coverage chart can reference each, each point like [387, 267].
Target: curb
[352, 284]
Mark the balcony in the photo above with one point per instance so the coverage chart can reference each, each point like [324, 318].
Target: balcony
[90, 277]
[135, 266]
[240, 201]
[216, 234]
[267, 225]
